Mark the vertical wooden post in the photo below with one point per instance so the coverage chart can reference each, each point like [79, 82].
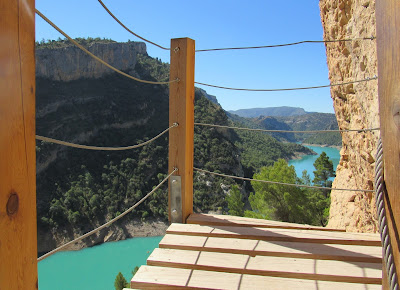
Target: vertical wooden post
[181, 111]
[388, 47]
[18, 240]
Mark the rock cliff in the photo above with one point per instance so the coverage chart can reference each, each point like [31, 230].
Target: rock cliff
[71, 63]
[356, 107]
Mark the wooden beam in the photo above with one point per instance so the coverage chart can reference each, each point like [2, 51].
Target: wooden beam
[181, 111]
[367, 254]
[313, 269]
[388, 48]
[151, 277]
[18, 240]
[272, 234]
[236, 221]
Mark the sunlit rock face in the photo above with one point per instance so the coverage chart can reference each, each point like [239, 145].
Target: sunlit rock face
[71, 63]
[356, 107]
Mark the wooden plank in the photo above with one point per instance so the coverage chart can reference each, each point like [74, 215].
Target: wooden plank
[181, 111]
[388, 49]
[253, 248]
[287, 235]
[151, 277]
[226, 220]
[18, 238]
[313, 269]
[260, 282]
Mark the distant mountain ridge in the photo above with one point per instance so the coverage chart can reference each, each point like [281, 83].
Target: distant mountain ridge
[306, 122]
[284, 111]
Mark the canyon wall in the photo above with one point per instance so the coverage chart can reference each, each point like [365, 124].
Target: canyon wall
[71, 63]
[356, 107]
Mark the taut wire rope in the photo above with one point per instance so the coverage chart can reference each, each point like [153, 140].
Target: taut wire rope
[109, 222]
[287, 131]
[97, 58]
[127, 29]
[380, 191]
[234, 48]
[288, 89]
[88, 147]
[279, 183]
[287, 44]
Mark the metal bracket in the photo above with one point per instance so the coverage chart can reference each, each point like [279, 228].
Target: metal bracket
[176, 199]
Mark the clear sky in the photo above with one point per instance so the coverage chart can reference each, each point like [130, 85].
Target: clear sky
[213, 24]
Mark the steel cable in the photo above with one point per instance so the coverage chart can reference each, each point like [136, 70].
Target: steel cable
[288, 89]
[97, 58]
[380, 191]
[130, 31]
[287, 131]
[107, 224]
[287, 44]
[279, 183]
[88, 147]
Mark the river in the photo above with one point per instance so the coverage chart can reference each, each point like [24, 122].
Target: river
[96, 267]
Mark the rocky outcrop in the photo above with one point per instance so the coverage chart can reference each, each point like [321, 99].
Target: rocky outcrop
[48, 240]
[71, 63]
[356, 107]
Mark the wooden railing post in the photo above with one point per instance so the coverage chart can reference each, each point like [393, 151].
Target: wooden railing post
[18, 235]
[388, 47]
[181, 111]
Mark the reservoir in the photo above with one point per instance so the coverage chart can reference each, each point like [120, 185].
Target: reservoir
[307, 161]
[97, 267]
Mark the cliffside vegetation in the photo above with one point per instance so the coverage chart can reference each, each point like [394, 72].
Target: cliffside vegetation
[285, 202]
[79, 189]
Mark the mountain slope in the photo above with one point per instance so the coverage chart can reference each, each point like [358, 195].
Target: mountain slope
[272, 111]
[78, 189]
[306, 122]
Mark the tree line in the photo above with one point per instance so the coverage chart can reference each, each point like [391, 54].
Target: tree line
[283, 202]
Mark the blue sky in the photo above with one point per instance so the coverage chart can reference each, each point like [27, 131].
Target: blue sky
[212, 24]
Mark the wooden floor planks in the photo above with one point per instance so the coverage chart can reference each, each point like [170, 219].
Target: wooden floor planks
[225, 220]
[150, 277]
[337, 252]
[326, 270]
[274, 234]
[249, 256]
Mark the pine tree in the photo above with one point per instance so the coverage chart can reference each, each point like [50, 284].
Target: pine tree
[235, 202]
[324, 171]
[280, 202]
[120, 282]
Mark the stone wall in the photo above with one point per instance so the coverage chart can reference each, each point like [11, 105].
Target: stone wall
[356, 107]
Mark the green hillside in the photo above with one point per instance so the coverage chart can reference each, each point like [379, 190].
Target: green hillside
[79, 189]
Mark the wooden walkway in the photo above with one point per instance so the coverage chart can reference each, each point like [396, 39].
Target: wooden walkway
[226, 252]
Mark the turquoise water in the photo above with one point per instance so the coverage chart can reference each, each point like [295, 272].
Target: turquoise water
[307, 162]
[96, 267]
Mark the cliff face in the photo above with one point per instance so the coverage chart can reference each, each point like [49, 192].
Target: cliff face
[80, 101]
[71, 63]
[356, 106]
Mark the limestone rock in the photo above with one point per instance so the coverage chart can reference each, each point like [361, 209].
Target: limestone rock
[71, 63]
[356, 107]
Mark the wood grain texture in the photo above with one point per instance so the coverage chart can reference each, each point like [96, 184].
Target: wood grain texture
[313, 269]
[152, 277]
[225, 220]
[181, 111]
[254, 248]
[273, 234]
[388, 48]
[18, 235]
